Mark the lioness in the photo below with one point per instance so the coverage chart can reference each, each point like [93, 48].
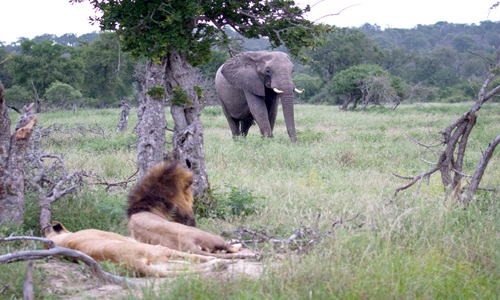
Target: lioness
[160, 212]
[144, 259]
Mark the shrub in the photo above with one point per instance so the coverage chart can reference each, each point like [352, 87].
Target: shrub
[311, 85]
[18, 96]
[62, 95]
[235, 203]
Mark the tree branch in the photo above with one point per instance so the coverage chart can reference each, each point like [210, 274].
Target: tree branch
[481, 167]
[56, 250]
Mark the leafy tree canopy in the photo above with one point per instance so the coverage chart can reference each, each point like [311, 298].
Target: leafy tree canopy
[62, 94]
[152, 28]
[344, 48]
[43, 63]
[350, 81]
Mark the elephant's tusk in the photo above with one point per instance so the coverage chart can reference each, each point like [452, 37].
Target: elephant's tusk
[277, 91]
[299, 91]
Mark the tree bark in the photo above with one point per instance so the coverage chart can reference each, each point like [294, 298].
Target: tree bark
[123, 123]
[152, 123]
[481, 167]
[37, 99]
[13, 149]
[4, 142]
[188, 133]
[28, 290]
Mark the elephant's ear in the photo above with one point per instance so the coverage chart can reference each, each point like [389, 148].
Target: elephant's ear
[241, 71]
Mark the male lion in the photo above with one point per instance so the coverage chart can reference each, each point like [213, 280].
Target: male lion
[144, 259]
[160, 212]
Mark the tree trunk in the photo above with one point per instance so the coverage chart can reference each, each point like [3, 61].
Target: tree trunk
[37, 99]
[12, 150]
[4, 145]
[123, 123]
[188, 134]
[481, 167]
[151, 124]
[455, 139]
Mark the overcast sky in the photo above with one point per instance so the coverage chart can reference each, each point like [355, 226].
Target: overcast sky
[30, 18]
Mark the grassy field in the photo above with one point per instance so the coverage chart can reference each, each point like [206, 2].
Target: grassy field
[335, 184]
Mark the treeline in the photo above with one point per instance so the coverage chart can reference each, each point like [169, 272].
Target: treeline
[442, 62]
[89, 70]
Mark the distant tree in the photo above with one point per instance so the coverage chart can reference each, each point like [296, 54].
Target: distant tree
[68, 39]
[44, 63]
[177, 35]
[398, 61]
[18, 96]
[108, 71]
[415, 40]
[441, 67]
[311, 84]
[369, 83]
[62, 95]
[209, 68]
[343, 48]
[462, 42]
[5, 57]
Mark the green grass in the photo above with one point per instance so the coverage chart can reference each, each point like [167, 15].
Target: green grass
[417, 246]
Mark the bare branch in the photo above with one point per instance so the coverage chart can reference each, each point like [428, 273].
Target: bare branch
[481, 167]
[28, 291]
[61, 251]
[123, 183]
[331, 15]
[455, 139]
[414, 180]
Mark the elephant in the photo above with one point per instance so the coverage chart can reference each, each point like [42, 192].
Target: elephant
[249, 87]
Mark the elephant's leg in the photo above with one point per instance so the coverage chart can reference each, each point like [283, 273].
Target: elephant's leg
[234, 125]
[259, 112]
[272, 107]
[245, 126]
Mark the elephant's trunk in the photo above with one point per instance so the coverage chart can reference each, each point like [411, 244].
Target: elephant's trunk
[287, 103]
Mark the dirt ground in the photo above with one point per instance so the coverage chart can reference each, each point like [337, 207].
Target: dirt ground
[74, 281]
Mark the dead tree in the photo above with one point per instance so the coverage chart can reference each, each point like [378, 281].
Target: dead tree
[151, 122]
[123, 124]
[12, 152]
[454, 139]
[172, 81]
[38, 102]
[28, 290]
[185, 108]
[46, 173]
[378, 91]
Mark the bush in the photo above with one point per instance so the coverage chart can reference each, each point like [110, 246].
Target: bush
[311, 85]
[355, 83]
[62, 95]
[324, 97]
[235, 203]
[18, 96]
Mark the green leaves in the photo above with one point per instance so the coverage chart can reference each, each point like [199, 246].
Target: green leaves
[152, 28]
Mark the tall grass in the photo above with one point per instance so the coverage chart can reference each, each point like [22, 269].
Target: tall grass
[417, 246]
